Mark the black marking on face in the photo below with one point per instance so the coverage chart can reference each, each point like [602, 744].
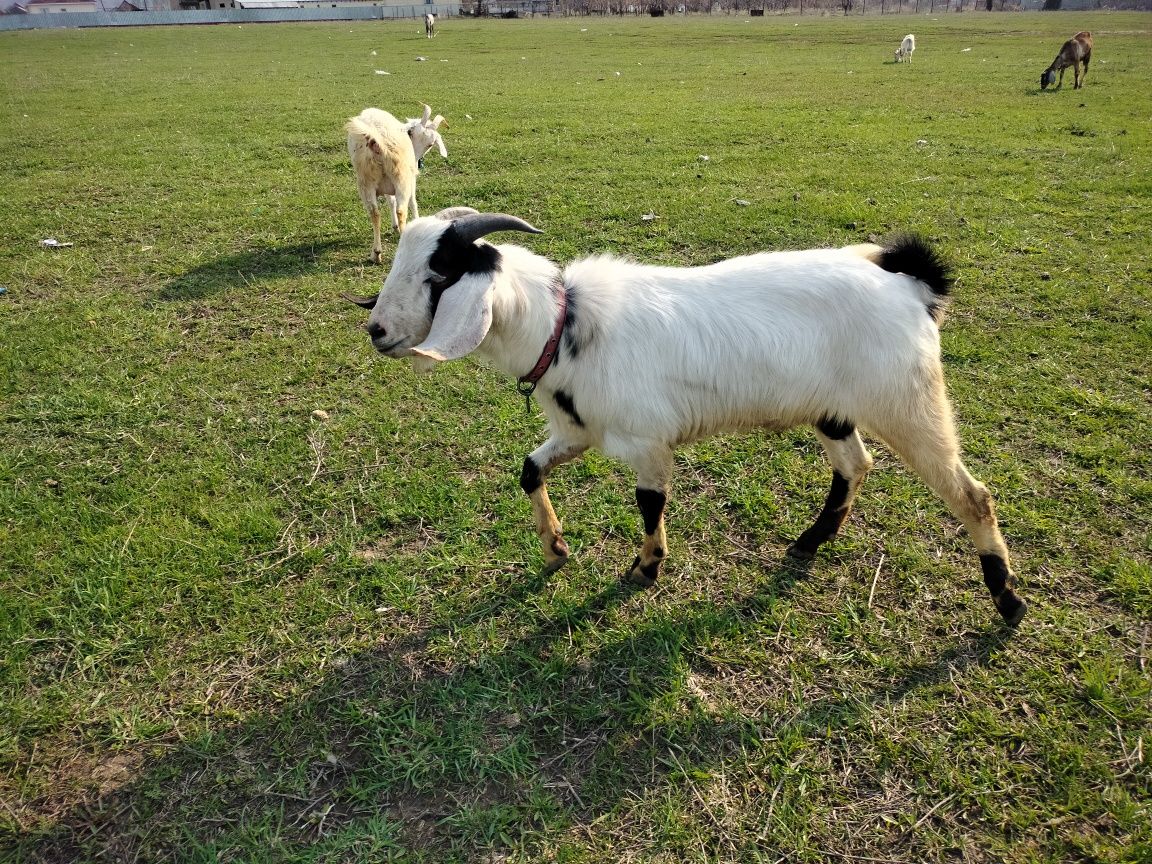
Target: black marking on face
[530, 476]
[651, 503]
[454, 259]
[564, 400]
[835, 428]
[829, 520]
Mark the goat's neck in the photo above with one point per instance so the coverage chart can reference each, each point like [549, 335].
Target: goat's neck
[525, 306]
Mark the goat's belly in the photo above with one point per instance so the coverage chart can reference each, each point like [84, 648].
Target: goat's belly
[694, 413]
[698, 428]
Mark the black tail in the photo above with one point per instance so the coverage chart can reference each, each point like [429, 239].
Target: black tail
[912, 256]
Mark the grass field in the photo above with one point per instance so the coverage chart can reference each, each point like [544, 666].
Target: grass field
[233, 632]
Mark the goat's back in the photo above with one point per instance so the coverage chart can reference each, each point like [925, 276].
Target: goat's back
[380, 149]
[773, 338]
[1077, 49]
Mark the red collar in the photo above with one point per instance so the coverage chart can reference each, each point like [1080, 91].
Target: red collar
[525, 384]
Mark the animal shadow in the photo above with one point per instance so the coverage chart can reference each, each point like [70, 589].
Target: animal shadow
[248, 267]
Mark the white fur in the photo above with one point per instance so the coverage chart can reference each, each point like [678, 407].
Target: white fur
[907, 46]
[385, 155]
[668, 355]
[429, 25]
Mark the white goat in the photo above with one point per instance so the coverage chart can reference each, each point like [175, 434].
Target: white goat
[387, 155]
[635, 360]
[907, 46]
[429, 25]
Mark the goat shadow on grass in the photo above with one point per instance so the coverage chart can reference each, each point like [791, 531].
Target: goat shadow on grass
[249, 267]
[425, 745]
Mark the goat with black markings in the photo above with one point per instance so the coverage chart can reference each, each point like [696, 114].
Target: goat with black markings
[635, 360]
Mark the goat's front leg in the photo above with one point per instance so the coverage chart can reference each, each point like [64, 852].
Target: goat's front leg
[653, 470]
[537, 467]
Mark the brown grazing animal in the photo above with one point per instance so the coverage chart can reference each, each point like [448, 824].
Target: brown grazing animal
[1075, 51]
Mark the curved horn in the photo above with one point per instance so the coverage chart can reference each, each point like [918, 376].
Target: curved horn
[473, 227]
[427, 113]
[362, 302]
[450, 213]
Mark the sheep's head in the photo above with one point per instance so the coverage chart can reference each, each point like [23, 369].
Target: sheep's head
[436, 301]
[425, 134]
[1047, 79]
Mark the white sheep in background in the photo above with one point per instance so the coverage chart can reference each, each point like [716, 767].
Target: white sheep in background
[429, 25]
[635, 360]
[907, 46]
[387, 155]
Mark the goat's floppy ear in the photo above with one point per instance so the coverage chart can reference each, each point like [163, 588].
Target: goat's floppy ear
[440, 145]
[463, 317]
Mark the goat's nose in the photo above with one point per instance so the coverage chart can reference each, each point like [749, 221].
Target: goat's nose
[375, 331]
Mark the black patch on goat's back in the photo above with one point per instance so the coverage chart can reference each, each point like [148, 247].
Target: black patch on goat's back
[834, 428]
[564, 400]
[912, 256]
[454, 258]
[577, 329]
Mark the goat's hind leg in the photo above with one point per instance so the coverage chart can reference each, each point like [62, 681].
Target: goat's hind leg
[653, 466]
[536, 469]
[932, 452]
[851, 462]
[372, 205]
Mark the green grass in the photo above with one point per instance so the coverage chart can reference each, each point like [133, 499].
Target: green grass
[232, 632]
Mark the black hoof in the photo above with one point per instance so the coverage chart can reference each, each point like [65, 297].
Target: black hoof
[645, 577]
[554, 565]
[801, 553]
[1011, 608]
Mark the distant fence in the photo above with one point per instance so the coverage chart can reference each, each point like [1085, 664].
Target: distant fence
[618, 7]
[217, 16]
